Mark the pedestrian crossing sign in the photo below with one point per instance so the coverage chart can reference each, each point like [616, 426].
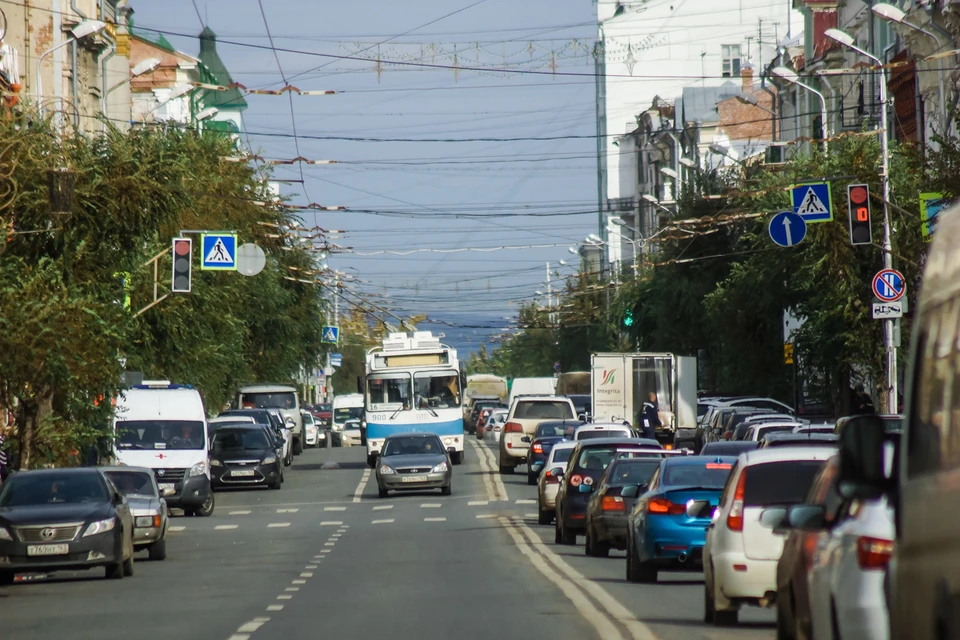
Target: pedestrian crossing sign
[218, 252]
[812, 202]
[331, 335]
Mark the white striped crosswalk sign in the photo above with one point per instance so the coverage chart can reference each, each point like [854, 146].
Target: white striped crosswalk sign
[812, 202]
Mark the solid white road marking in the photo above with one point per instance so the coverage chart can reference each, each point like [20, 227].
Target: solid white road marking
[240, 513]
[287, 510]
[278, 525]
[383, 507]
[589, 611]
[363, 482]
[331, 523]
[175, 529]
[434, 519]
[275, 607]
[526, 502]
[334, 508]
[488, 463]
[387, 521]
[430, 505]
[478, 503]
[638, 630]
[225, 527]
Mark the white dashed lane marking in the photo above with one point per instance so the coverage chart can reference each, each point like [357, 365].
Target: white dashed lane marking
[486, 515]
[177, 529]
[328, 544]
[293, 589]
[282, 597]
[277, 525]
[431, 505]
[331, 523]
[275, 607]
[240, 513]
[334, 508]
[286, 510]
[478, 503]
[225, 527]
[526, 502]
[306, 574]
[387, 521]
[434, 519]
[383, 507]
[299, 582]
[310, 566]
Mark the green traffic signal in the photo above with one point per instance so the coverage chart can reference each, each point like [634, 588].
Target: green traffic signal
[628, 318]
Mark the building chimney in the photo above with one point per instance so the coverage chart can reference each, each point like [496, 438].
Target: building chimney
[746, 74]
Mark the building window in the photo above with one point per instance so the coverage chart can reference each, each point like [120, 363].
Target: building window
[731, 60]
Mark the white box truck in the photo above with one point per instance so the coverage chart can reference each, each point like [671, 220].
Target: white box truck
[621, 382]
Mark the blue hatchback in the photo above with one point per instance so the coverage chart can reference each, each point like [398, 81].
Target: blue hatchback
[668, 525]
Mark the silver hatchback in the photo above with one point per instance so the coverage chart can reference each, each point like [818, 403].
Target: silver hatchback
[411, 461]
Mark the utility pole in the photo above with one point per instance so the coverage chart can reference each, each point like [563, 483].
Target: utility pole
[549, 295]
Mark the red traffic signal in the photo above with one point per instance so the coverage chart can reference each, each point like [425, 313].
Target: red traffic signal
[182, 259]
[858, 205]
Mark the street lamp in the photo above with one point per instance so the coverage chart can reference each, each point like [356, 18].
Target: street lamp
[620, 223]
[146, 66]
[79, 32]
[649, 198]
[847, 41]
[792, 77]
[893, 14]
[688, 163]
[207, 113]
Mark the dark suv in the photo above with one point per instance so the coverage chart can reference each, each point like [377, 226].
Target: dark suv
[587, 463]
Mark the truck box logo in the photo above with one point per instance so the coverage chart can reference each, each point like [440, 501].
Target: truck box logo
[608, 377]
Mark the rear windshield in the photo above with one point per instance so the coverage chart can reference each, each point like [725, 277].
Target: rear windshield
[606, 433]
[543, 410]
[549, 430]
[635, 471]
[762, 431]
[273, 400]
[785, 482]
[709, 474]
[562, 455]
[597, 459]
[130, 483]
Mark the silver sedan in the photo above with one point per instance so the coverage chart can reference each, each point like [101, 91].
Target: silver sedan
[149, 510]
[413, 461]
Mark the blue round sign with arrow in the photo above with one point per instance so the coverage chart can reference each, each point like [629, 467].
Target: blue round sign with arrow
[787, 229]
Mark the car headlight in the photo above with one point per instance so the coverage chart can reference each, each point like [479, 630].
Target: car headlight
[269, 460]
[448, 441]
[5, 535]
[198, 469]
[148, 521]
[440, 468]
[385, 470]
[216, 463]
[100, 526]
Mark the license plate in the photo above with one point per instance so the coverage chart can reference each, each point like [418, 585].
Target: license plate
[414, 479]
[166, 487]
[48, 549]
[242, 472]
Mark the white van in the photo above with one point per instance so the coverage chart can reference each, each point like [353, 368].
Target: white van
[163, 426]
[272, 396]
[532, 387]
[348, 407]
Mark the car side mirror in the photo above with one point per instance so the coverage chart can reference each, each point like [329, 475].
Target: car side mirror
[861, 474]
[557, 471]
[451, 450]
[773, 518]
[807, 517]
[525, 439]
[631, 491]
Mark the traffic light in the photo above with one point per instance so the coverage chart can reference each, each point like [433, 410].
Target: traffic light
[182, 258]
[858, 205]
[628, 318]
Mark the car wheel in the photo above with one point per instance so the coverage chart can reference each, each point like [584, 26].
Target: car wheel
[128, 565]
[505, 471]
[382, 492]
[596, 549]
[371, 461]
[646, 572]
[6, 578]
[631, 564]
[543, 517]
[276, 485]
[297, 446]
[783, 631]
[456, 457]
[446, 490]
[114, 571]
[564, 536]
[206, 510]
[158, 550]
[708, 610]
[556, 530]
[532, 478]
[726, 618]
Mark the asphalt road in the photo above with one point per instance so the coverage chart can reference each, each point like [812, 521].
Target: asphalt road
[326, 556]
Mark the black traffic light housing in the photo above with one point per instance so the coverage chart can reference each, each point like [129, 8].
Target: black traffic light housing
[858, 205]
[182, 252]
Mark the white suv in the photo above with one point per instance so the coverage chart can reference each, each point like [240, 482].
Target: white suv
[526, 413]
[741, 554]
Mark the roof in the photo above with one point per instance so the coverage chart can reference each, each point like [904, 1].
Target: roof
[153, 37]
[218, 74]
[410, 434]
[700, 103]
[268, 388]
[700, 460]
[786, 454]
[600, 442]
[145, 470]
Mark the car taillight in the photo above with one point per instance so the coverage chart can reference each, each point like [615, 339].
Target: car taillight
[662, 505]
[575, 480]
[612, 503]
[537, 447]
[513, 427]
[873, 553]
[551, 478]
[735, 517]
[809, 546]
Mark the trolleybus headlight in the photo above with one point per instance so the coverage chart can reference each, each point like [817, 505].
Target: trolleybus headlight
[448, 441]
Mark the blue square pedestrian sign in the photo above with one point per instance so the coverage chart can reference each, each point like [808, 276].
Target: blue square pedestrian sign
[218, 252]
[331, 335]
[812, 202]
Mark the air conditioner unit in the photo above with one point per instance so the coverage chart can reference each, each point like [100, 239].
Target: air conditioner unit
[774, 154]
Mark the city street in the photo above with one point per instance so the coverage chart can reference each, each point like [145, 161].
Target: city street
[327, 555]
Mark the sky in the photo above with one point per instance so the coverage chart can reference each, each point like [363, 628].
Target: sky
[429, 158]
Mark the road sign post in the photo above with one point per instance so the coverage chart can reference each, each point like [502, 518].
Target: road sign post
[787, 229]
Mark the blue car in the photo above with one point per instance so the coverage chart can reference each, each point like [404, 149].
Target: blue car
[668, 525]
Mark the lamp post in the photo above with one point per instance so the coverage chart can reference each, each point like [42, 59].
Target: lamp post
[619, 222]
[847, 41]
[137, 70]
[893, 14]
[79, 32]
[792, 77]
